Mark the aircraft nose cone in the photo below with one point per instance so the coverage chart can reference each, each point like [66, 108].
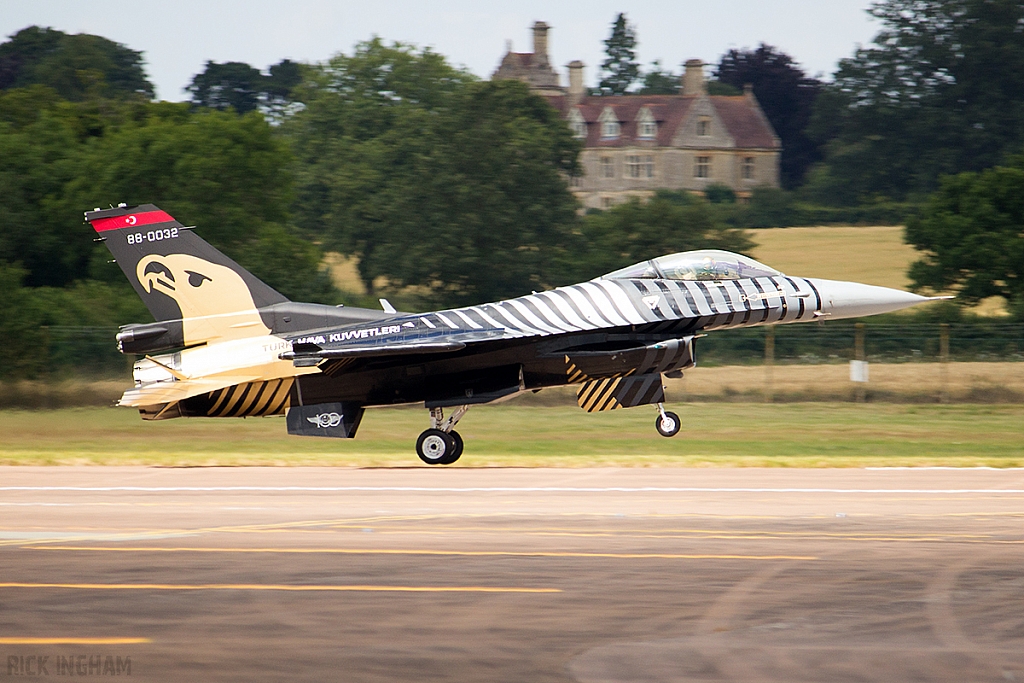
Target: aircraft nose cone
[854, 300]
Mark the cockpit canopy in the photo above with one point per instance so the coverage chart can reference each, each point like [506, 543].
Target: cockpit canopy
[703, 264]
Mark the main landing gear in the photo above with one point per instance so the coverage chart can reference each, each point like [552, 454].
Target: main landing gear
[441, 444]
[668, 423]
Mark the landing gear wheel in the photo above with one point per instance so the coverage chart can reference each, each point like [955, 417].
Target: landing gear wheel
[435, 447]
[668, 424]
[457, 453]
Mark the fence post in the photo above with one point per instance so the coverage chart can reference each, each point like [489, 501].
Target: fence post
[858, 352]
[769, 363]
[944, 362]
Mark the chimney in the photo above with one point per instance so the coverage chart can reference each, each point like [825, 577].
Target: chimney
[693, 78]
[576, 89]
[540, 42]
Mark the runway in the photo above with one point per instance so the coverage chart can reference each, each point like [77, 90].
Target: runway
[590, 575]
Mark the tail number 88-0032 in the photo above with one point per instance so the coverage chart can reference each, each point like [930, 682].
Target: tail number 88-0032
[152, 236]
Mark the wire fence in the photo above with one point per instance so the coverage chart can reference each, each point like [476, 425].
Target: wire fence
[92, 351]
[836, 342]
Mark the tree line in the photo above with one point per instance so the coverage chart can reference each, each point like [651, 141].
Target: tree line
[452, 190]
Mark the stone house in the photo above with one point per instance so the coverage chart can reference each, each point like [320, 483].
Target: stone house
[636, 144]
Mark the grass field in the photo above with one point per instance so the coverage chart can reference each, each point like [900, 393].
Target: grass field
[872, 255]
[717, 434]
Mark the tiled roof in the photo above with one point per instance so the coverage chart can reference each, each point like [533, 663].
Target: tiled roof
[741, 117]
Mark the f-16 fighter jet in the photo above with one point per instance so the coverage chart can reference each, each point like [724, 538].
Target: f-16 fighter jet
[225, 344]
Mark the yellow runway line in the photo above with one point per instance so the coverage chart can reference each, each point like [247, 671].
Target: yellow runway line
[279, 587]
[457, 553]
[73, 641]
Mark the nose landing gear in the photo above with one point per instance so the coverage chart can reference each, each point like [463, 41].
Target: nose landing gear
[441, 444]
[668, 423]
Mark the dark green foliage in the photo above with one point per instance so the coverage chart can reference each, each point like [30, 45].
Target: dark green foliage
[659, 82]
[940, 91]
[224, 173]
[972, 234]
[787, 96]
[620, 70]
[433, 180]
[717, 193]
[719, 88]
[78, 66]
[635, 231]
[239, 86]
[776, 208]
[232, 85]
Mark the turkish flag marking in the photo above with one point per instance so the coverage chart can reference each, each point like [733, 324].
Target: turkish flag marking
[132, 220]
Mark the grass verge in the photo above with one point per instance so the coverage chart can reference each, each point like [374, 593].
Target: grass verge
[716, 434]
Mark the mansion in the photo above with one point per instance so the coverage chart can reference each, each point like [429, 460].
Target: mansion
[636, 144]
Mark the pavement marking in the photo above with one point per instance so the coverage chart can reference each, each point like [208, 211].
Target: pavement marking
[73, 641]
[457, 553]
[497, 489]
[280, 587]
[660, 533]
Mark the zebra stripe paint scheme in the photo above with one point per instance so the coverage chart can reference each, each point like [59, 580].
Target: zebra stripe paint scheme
[252, 399]
[646, 306]
[239, 348]
[620, 392]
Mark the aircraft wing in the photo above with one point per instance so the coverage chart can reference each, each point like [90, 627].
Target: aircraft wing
[395, 338]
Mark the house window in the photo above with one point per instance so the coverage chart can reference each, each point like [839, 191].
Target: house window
[704, 126]
[577, 124]
[747, 169]
[646, 126]
[607, 167]
[576, 181]
[606, 202]
[702, 168]
[610, 127]
[640, 166]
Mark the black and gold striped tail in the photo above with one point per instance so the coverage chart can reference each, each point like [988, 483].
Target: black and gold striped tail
[621, 392]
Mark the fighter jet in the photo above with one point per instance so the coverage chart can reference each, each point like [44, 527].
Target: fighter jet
[225, 344]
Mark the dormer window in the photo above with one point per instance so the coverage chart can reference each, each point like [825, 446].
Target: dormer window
[646, 126]
[704, 126]
[577, 124]
[610, 127]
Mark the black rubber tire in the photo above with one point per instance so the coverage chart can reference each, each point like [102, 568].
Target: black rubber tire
[434, 447]
[670, 429]
[459, 445]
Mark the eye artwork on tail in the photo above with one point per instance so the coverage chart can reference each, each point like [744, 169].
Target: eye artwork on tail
[225, 344]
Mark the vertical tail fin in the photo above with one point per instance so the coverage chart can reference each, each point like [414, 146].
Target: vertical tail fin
[181, 276]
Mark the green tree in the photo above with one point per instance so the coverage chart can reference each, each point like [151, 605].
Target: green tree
[940, 91]
[227, 174]
[39, 137]
[657, 81]
[970, 233]
[76, 66]
[430, 179]
[239, 86]
[667, 223]
[620, 70]
[231, 85]
[786, 95]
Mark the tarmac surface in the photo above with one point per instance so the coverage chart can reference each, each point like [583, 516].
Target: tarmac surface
[590, 575]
